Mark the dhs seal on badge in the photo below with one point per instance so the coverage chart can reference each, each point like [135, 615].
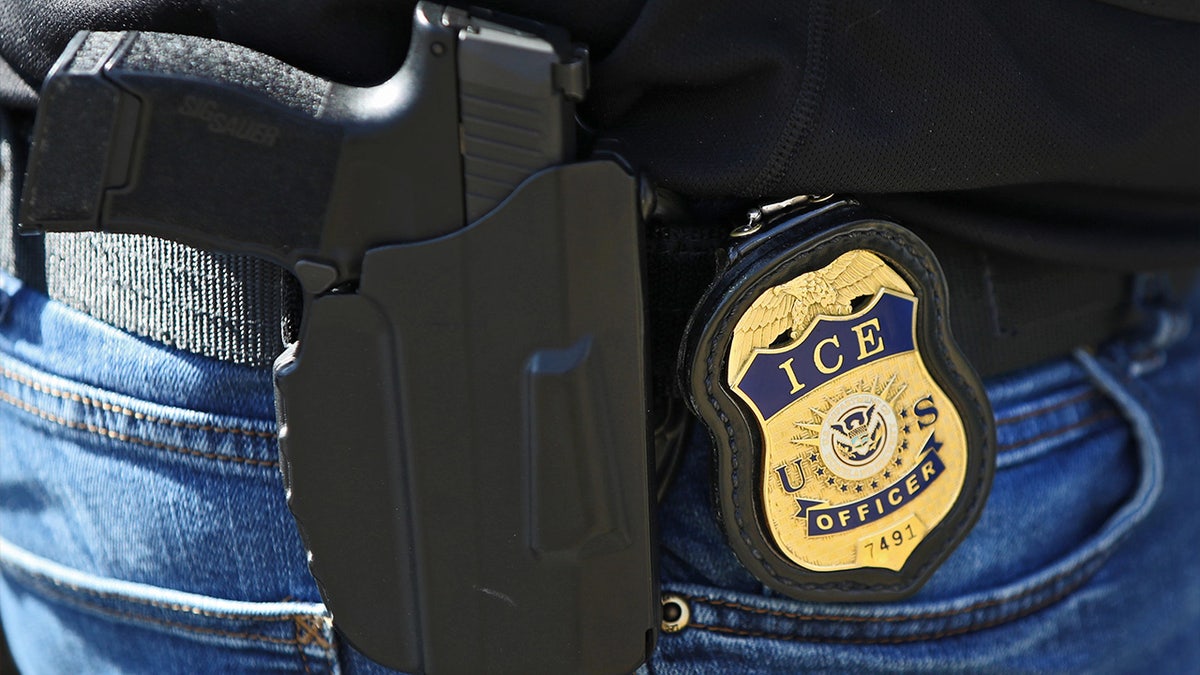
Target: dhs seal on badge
[855, 445]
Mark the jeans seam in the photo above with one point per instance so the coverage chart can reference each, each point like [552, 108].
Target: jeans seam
[126, 438]
[300, 647]
[1146, 433]
[1054, 433]
[43, 579]
[984, 604]
[309, 629]
[1078, 398]
[919, 637]
[121, 410]
[91, 606]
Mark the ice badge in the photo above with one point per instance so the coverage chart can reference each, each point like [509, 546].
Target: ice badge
[862, 455]
[855, 442]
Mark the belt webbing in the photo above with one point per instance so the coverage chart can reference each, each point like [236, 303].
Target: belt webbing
[232, 308]
[1007, 312]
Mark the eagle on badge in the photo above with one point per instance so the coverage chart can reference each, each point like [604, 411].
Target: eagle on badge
[790, 308]
[859, 436]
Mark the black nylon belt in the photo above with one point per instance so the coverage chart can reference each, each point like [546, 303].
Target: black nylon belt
[1007, 311]
[228, 307]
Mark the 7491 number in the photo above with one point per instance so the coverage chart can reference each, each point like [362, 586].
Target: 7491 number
[897, 537]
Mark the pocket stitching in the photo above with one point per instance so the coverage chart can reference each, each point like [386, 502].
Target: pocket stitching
[126, 438]
[1059, 431]
[984, 604]
[1081, 397]
[114, 408]
[903, 639]
[80, 603]
[45, 580]
[300, 648]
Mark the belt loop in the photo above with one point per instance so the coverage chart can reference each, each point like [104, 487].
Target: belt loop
[1162, 319]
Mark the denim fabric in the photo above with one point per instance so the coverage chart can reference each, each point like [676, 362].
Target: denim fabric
[1084, 559]
[143, 527]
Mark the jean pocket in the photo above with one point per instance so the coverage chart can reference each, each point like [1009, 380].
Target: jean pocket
[71, 621]
[143, 518]
[1073, 479]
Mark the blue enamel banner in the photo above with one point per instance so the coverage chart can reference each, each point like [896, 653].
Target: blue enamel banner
[834, 519]
[773, 380]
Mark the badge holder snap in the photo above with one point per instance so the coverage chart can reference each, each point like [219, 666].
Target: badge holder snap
[854, 443]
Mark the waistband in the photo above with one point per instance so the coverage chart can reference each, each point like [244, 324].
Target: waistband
[233, 308]
[1007, 312]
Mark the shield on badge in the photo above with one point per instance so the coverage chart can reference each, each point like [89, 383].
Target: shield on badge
[854, 441]
[861, 457]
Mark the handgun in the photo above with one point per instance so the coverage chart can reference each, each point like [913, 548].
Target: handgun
[463, 420]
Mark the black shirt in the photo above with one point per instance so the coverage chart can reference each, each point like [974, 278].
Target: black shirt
[1066, 130]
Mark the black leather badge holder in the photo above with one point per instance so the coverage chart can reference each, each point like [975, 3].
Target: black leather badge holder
[854, 443]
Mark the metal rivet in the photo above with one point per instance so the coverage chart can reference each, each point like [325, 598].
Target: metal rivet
[438, 49]
[749, 228]
[675, 613]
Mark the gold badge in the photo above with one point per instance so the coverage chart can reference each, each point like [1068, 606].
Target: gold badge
[859, 461]
[855, 443]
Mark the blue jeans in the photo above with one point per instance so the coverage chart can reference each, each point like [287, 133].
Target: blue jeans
[143, 526]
